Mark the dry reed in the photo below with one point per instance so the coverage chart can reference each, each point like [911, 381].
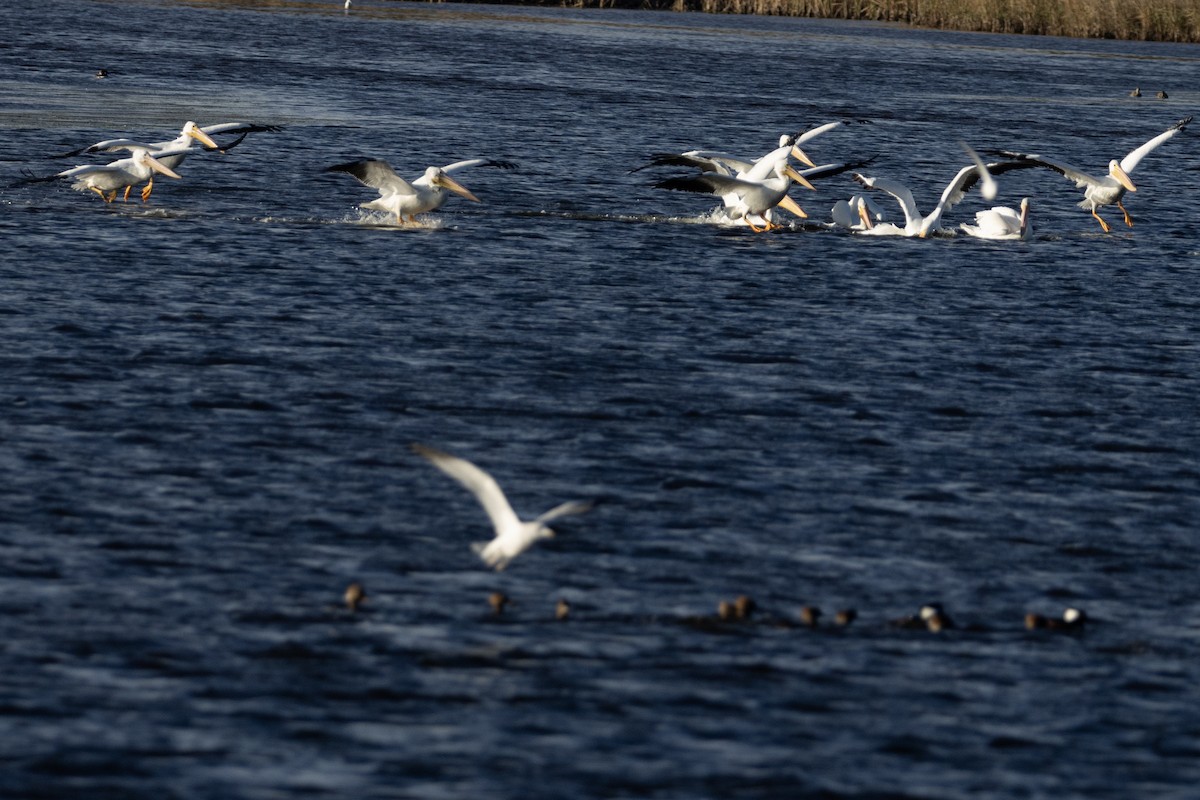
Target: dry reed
[1152, 20]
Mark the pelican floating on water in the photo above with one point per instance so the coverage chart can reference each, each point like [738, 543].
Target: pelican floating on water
[916, 224]
[1001, 222]
[1109, 190]
[856, 214]
[107, 179]
[402, 198]
[513, 536]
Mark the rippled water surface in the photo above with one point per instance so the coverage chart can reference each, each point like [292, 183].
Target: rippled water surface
[208, 400]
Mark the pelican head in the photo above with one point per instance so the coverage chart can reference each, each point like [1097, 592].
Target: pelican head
[864, 213]
[193, 130]
[1114, 169]
[143, 157]
[439, 178]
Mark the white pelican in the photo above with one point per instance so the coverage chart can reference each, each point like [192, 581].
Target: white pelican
[725, 164]
[1109, 190]
[1001, 222]
[856, 214]
[914, 223]
[171, 153]
[402, 198]
[752, 193]
[105, 180]
[189, 132]
[513, 536]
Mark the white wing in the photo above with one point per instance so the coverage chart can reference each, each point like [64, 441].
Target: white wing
[570, 507]
[478, 483]
[478, 162]
[817, 131]
[1134, 158]
[988, 188]
[239, 127]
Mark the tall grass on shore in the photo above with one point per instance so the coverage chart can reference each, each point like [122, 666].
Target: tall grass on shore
[1157, 20]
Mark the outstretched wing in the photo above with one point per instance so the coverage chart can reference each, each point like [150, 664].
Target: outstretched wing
[478, 483]
[704, 160]
[1081, 178]
[376, 174]
[565, 509]
[108, 146]
[1134, 158]
[479, 162]
[829, 170]
[707, 183]
[239, 127]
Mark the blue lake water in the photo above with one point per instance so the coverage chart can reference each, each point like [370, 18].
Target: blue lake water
[208, 401]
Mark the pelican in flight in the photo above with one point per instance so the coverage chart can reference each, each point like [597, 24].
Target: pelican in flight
[188, 135]
[749, 194]
[1109, 190]
[1001, 222]
[725, 164]
[171, 153]
[106, 180]
[402, 198]
[916, 224]
[513, 536]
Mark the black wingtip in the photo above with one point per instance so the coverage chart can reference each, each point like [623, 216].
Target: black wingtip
[30, 178]
[682, 185]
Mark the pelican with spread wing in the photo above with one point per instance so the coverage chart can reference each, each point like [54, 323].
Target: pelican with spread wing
[107, 179]
[917, 224]
[752, 193]
[407, 199]
[513, 535]
[1110, 189]
[172, 152]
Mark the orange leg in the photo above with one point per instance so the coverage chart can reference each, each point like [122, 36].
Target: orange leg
[1128, 219]
[147, 189]
[97, 191]
[1103, 224]
[125, 199]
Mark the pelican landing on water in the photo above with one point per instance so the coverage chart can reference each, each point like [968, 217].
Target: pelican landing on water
[107, 179]
[172, 152]
[1109, 190]
[404, 199]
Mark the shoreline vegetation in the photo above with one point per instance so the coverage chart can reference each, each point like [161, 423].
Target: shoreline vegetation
[1145, 20]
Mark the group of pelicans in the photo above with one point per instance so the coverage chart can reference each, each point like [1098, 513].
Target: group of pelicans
[752, 190]
[513, 536]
